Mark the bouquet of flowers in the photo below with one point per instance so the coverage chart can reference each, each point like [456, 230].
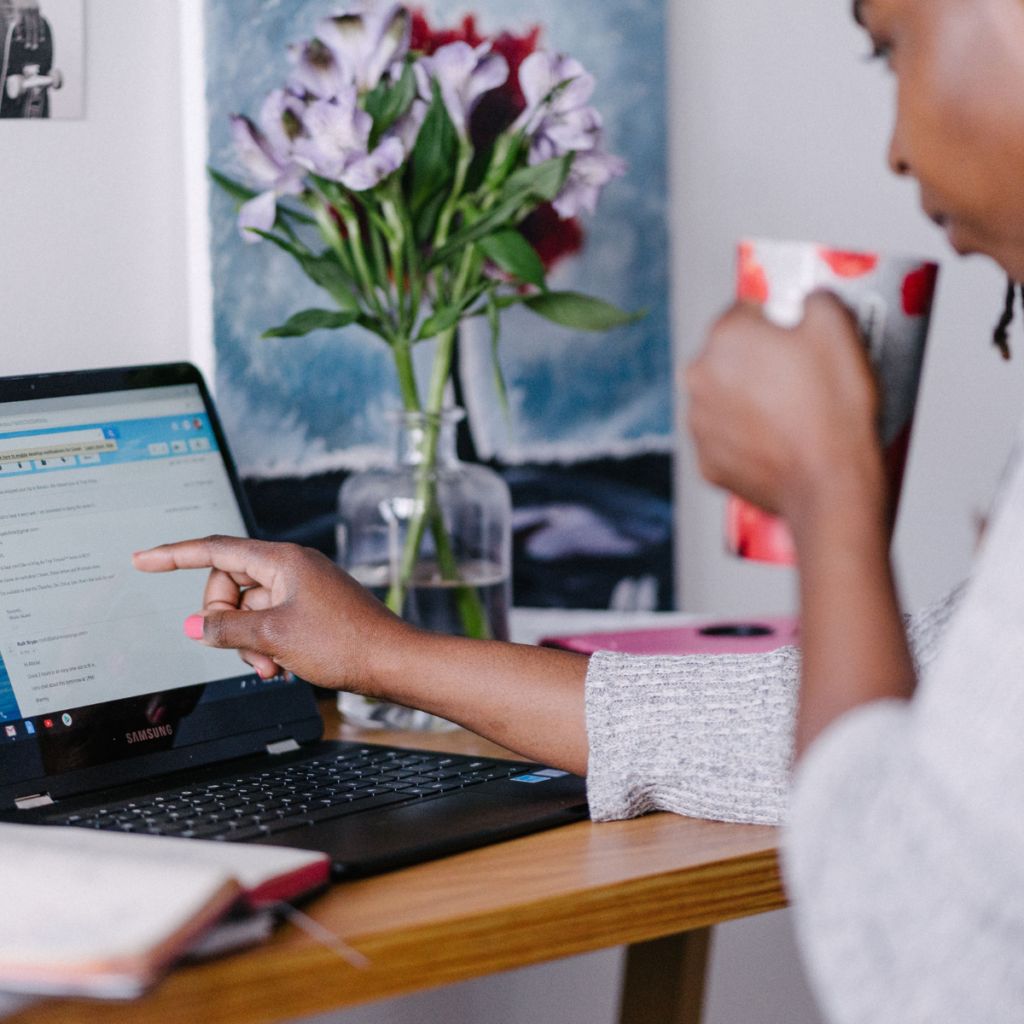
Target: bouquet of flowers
[421, 178]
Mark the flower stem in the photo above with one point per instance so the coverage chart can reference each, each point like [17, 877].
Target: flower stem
[427, 508]
[406, 375]
[448, 211]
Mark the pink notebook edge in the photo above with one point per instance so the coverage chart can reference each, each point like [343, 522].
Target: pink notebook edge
[682, 640]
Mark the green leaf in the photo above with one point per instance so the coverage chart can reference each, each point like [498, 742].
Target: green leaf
[442, 320]
[296, 249]
[287, 211]
[494, 319]
[531, 185]
[372, 324]
[585, 313]
[235, 189]
[388, 102]
[311, 320]
[326, 272]
[514, 254]
[432, 165]
[332, 191]
[543, 181]
[331, 234]
[242, 195]
[504, 156]
[426, 219]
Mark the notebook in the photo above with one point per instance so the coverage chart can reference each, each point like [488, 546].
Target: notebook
[103, 914]
[112, 719]
[719, 636]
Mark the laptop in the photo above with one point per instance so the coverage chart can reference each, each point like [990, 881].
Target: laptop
[111, 718]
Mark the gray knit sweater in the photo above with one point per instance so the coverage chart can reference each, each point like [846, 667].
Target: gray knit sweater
[904, 848]
[706, 735]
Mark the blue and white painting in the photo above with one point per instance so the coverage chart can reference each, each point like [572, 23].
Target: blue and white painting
[297, 407]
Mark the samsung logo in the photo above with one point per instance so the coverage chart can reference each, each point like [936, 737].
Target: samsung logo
[141, 735]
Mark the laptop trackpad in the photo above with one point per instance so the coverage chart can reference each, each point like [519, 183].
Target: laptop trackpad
[393, 837]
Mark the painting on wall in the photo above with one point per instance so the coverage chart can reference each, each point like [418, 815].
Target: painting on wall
[42, 58]
[587, 441]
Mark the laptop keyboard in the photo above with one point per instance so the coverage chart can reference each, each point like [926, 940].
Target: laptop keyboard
[293, 796]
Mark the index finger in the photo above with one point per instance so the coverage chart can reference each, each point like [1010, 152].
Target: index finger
[246, 560]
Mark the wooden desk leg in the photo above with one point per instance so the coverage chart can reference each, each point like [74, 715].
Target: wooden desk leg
[664, 981]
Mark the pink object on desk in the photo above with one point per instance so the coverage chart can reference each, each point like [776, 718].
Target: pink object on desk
[752, 635]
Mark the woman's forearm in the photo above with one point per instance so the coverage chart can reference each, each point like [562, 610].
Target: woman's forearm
[529, 699]
[854, 645]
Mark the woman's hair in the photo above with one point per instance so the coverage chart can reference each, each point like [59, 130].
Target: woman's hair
[999, 335]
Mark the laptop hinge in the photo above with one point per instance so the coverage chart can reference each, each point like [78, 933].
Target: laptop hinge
[26, 803]
[282, 746]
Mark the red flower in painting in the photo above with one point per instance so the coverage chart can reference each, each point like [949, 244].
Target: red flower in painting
[428, 40]
[552, 237]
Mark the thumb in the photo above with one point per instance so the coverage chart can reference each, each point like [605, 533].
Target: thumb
[231, 629]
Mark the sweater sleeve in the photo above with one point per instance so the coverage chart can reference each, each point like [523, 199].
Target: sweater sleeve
[709, 736]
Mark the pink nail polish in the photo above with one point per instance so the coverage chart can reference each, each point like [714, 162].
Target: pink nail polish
[194, 627]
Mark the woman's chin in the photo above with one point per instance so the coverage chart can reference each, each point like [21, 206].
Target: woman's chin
[1009, 259]
[962, 245]
[1008, 255]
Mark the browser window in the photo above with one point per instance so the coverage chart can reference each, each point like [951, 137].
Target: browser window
[84, 482]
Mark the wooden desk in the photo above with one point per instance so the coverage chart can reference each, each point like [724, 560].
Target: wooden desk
[656, 883]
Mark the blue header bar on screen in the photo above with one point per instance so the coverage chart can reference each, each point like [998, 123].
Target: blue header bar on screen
[105, 444]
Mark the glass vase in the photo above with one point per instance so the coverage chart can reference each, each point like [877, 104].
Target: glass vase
[432, 537]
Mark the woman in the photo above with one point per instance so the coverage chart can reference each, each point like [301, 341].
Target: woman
[906, 825]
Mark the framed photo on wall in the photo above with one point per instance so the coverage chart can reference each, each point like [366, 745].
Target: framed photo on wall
[42, 59]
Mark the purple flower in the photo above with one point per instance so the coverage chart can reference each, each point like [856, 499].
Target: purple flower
[367, 41]
[559, 121]
[334, 143]
[557, 114]
[270, 169]
[590, 172]
[464, 74]
[407, 128]
[281, 120]
[316, 73]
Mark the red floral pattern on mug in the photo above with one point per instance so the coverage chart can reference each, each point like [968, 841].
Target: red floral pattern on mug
[918, 289]
[751, 280]
[849, 264]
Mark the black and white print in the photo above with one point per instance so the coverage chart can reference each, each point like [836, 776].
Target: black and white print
[42, 58]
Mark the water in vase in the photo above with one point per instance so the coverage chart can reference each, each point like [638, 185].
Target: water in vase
[432, 602]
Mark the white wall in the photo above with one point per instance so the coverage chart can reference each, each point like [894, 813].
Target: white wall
[780, 129]
[92, 211]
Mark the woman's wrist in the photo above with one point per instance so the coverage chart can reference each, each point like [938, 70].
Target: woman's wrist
[839, 505]
[392, 653]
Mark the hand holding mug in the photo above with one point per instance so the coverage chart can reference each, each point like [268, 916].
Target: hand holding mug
[781, 416]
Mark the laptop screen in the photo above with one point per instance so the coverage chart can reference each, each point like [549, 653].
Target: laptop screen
[94, 665]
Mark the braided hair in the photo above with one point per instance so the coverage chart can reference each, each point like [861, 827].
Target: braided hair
[999, 335]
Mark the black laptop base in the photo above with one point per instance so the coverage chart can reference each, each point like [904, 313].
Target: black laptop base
[372, 808]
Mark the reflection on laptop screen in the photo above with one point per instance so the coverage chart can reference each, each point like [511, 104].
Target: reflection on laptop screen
[94, 665]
